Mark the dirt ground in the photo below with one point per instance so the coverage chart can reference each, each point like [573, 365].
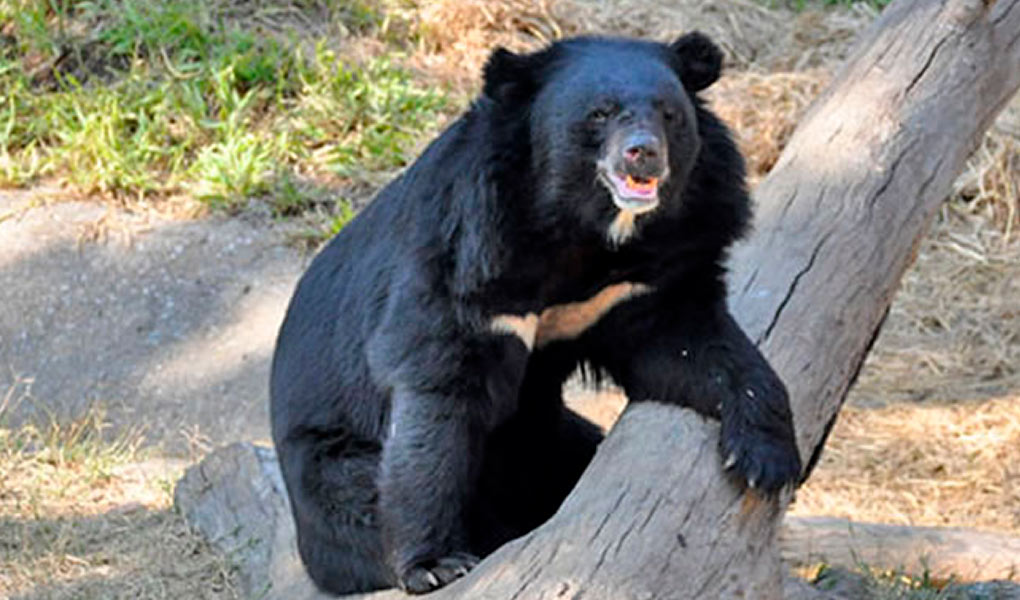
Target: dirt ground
[163, 324]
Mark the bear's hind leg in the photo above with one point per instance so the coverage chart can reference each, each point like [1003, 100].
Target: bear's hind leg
[430, 463]
[530, 467]
[333, 495]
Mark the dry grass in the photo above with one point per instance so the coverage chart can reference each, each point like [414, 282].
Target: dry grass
[778, 60]
[754, 36]
[82, 516]
[935, 465]
[455, 28]
[953, 331]
[991, 182]
[763, 110]
[457, 36]
[931, 433]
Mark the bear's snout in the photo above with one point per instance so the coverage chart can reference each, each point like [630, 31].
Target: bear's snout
[642, 151]
[640, 154]
[634, 166]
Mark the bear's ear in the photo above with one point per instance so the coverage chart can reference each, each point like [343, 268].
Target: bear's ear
[699, 60]
[510, 76]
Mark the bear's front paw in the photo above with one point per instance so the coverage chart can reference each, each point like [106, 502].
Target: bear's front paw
[766, 460]
[434, 574]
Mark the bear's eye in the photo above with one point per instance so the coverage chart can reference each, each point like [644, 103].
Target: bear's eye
[668, 114]
[600, 114]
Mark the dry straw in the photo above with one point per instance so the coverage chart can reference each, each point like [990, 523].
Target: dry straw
[458, 35]
[933, 465]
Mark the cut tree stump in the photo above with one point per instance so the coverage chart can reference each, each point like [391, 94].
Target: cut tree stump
[838, 221]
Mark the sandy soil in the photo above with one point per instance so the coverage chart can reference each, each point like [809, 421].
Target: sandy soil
[167, 324]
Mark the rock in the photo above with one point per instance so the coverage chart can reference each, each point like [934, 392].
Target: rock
[236, 498]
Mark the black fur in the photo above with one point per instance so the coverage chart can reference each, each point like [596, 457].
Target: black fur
[413, 438]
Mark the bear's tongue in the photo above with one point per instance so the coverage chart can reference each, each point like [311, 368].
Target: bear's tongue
[635, 194]
[640, 187]
[634, 188]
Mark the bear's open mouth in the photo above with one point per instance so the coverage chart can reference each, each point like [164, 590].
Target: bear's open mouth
[633, 193]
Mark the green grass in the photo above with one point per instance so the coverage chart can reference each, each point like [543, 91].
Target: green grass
[802, 5]
[136, 99]
[865, 582]
[82, 445]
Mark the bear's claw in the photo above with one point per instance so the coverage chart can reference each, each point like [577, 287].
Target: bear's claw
[434, 574]
[764, 461]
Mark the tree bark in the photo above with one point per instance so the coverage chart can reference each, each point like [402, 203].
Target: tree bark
[838, 221]
[840, 217]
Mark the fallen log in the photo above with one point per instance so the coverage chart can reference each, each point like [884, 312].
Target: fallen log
[235, 496]
[940, 552]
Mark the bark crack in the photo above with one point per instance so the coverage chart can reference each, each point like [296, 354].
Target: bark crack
[555, 551]
[1013, 40]
[651, 513]
[750, 281]
[524, 546]
[605, 519]
[668, 560]
[705, 582]
[789, 202]
[881, 54]
[889, 179]
[836, 132]
[927, 182]
[527, 582]
[600, 561]
[633, 524]
[793, 288]
[925, 67]
[1005, 13]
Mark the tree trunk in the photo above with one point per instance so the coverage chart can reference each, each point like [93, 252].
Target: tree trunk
[838, 222]
[840, 217]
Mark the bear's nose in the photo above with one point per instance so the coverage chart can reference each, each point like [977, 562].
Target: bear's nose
[640, 146]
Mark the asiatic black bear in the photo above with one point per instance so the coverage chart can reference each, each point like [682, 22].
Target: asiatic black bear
[577, 214]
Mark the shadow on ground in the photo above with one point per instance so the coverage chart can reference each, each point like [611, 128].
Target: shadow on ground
[165, 324]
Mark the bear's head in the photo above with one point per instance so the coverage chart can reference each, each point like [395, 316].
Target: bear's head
[612, 124]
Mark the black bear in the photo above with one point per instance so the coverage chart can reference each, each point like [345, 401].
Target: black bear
[577, 214]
